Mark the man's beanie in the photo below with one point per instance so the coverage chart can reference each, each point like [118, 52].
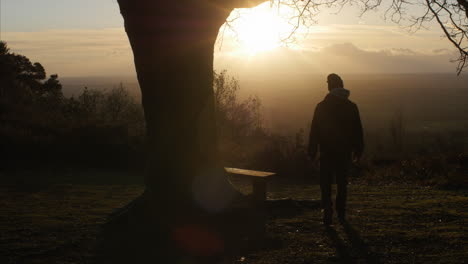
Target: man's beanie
[336, 79]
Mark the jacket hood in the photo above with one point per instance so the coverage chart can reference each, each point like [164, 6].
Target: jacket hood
[340, 92]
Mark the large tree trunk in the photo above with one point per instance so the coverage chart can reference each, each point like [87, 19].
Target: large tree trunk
[173, 44]
[188, 198]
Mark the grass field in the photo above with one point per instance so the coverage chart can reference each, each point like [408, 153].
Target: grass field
[59, 223]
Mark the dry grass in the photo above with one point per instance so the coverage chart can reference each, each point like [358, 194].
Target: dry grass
[388, 224]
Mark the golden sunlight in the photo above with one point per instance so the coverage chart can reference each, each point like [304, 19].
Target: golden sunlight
[259, 29]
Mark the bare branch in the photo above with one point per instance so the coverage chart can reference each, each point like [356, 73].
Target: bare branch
[451, 37]
[450, 15]
[298, 20]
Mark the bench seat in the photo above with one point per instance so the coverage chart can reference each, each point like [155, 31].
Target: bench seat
[258, 178]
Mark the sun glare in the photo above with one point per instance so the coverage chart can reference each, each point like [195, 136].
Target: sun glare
[259, 29]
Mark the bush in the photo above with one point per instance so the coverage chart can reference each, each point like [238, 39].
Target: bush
[239, 122]
[245, 143]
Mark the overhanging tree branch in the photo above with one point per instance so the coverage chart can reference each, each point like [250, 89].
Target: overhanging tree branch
[450, 15]
[451, 37]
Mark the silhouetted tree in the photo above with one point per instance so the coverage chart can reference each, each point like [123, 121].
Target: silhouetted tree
[52, 87]
[88, 103]
[236, 119]
[117, 104]
[23, 80]
[173, 43]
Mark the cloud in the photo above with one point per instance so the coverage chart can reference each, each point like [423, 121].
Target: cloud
[76, 52]
[343, 57]
[97, 52]
[374, 36]
[393, 60]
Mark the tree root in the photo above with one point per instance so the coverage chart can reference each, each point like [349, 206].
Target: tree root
[144, 232]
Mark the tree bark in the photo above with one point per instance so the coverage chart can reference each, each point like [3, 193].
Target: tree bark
[173, 46]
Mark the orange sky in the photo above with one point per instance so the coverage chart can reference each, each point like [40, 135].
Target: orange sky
[338, 43]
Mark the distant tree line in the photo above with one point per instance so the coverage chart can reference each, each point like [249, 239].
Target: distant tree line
[38, 122]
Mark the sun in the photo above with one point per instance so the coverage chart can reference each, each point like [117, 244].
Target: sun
[260, 29]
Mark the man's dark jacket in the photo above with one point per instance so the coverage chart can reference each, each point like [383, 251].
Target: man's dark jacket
[336, 127]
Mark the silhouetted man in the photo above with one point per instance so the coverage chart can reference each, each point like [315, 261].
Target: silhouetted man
[337, 133]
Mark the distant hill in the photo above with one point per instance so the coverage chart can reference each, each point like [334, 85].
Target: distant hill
[75, 85]
[427, 101]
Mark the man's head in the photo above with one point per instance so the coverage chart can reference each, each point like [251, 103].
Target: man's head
[334, 81]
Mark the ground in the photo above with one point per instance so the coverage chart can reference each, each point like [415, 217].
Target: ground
[59, 223]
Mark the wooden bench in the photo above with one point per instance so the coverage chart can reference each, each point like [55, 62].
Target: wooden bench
[259, 181]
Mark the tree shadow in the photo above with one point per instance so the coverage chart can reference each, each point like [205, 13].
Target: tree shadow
[287, 207]
[357, 244]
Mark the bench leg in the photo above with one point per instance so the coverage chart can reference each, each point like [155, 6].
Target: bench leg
[259, 191]
[259, 197]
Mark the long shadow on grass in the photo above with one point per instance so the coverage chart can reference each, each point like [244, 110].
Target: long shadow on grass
[287, 207]
[357, 245]
[341, 248]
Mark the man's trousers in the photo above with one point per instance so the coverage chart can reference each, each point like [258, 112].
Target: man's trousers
[334, 164]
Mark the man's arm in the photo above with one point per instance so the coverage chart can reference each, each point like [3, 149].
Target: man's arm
[358, 133]
[314, 135]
